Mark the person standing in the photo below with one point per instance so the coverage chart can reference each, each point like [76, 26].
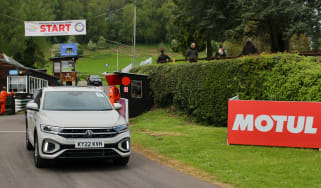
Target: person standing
[3, 98]
[249, 48]
[220, 52]
[163, 57]
[192, 53]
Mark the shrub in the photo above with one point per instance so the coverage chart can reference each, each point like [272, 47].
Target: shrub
[55, 50]
[101, 44]
[92, 46]
[80, 49]
[202, 90]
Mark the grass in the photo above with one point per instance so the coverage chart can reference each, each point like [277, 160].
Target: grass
[205, 148]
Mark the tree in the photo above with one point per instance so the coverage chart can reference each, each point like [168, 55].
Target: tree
[27, 50]
[205, 20]
[279, 19]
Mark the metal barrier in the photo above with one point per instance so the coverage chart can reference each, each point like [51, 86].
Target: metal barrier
[21, 104]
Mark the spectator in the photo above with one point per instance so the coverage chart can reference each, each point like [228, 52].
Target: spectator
[192, 54]
[249, 48]
[220, 52]
[163, 57]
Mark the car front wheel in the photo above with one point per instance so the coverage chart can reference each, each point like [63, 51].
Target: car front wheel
[39, 162]
[28, 144]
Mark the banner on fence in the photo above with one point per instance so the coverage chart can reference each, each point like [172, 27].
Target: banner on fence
[55, 28]
[274, 123]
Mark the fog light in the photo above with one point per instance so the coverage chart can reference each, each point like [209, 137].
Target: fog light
[50, 146]
[124, 145]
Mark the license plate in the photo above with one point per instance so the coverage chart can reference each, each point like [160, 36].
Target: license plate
[89, 144]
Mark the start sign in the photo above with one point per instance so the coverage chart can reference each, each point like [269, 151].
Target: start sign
[55, 28]
[274, 123]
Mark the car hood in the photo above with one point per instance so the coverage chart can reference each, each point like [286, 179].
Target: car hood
[81, 118]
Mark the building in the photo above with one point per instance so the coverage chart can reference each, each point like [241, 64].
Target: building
[24, 81]
[64, 69]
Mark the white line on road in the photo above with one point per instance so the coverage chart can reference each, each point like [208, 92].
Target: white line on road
[11, 119]
[12, 131]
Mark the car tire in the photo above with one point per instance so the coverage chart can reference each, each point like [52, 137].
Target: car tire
[39, 162]
[29, 146]
[121, 161]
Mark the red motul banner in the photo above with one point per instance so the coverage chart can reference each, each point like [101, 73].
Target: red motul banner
[274, 123]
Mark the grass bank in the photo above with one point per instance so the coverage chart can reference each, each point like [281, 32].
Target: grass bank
[205, 148]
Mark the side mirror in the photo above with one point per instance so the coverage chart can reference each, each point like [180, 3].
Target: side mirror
[32, 106]
[117, 106]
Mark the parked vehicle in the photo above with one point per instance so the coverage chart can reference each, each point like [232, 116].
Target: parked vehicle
[75, 122]
[94, 80]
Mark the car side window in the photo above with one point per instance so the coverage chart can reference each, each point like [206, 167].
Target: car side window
[38, 97]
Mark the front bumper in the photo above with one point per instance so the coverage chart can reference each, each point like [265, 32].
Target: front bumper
[112, 147]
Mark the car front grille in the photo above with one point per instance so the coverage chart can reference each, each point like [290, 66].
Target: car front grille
[89, 153]
[88, 133]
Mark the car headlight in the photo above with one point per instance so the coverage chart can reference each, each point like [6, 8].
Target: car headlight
[121, 128]
[50, 129]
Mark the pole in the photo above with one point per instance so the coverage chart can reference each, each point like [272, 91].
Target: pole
[117, 60]
[134, 48]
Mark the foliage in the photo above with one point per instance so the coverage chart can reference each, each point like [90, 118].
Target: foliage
[27, 50]
[280, 20]
[101, 44]
[299, 43]
[71, 39]
[202, 21]
[233, 48]
[92, 46]
[55, 50]
[205, 149]
[202, 90]
[80, 49]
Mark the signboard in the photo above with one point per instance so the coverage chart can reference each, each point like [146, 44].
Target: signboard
[124, 109]
[13, 72]
[68, 49]
[274, 123]
[55, 28]
[67, 66]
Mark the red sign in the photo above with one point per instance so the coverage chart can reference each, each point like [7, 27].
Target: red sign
[125, 81]
[126, 89]
[274, 123]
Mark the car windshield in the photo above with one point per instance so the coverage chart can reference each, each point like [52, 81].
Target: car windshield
[95, 77]
[75, 101]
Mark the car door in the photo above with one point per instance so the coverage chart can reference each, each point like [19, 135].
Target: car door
[33, 116]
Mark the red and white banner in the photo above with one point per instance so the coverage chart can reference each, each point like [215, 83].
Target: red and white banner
[274, 123]
[55, 28]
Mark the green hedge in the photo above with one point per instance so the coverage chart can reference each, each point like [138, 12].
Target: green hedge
[202, 90]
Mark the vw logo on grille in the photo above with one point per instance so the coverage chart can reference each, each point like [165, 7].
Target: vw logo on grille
[89, 133]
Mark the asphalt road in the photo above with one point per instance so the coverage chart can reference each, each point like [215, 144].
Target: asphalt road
[17, 168]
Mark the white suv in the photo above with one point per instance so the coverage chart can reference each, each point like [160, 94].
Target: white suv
[75, 122]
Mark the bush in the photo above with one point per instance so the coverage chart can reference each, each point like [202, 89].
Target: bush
[71, 39]
[80, 49]
[55, 50]
[92, 46]
[101, 44]
[202, 90]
